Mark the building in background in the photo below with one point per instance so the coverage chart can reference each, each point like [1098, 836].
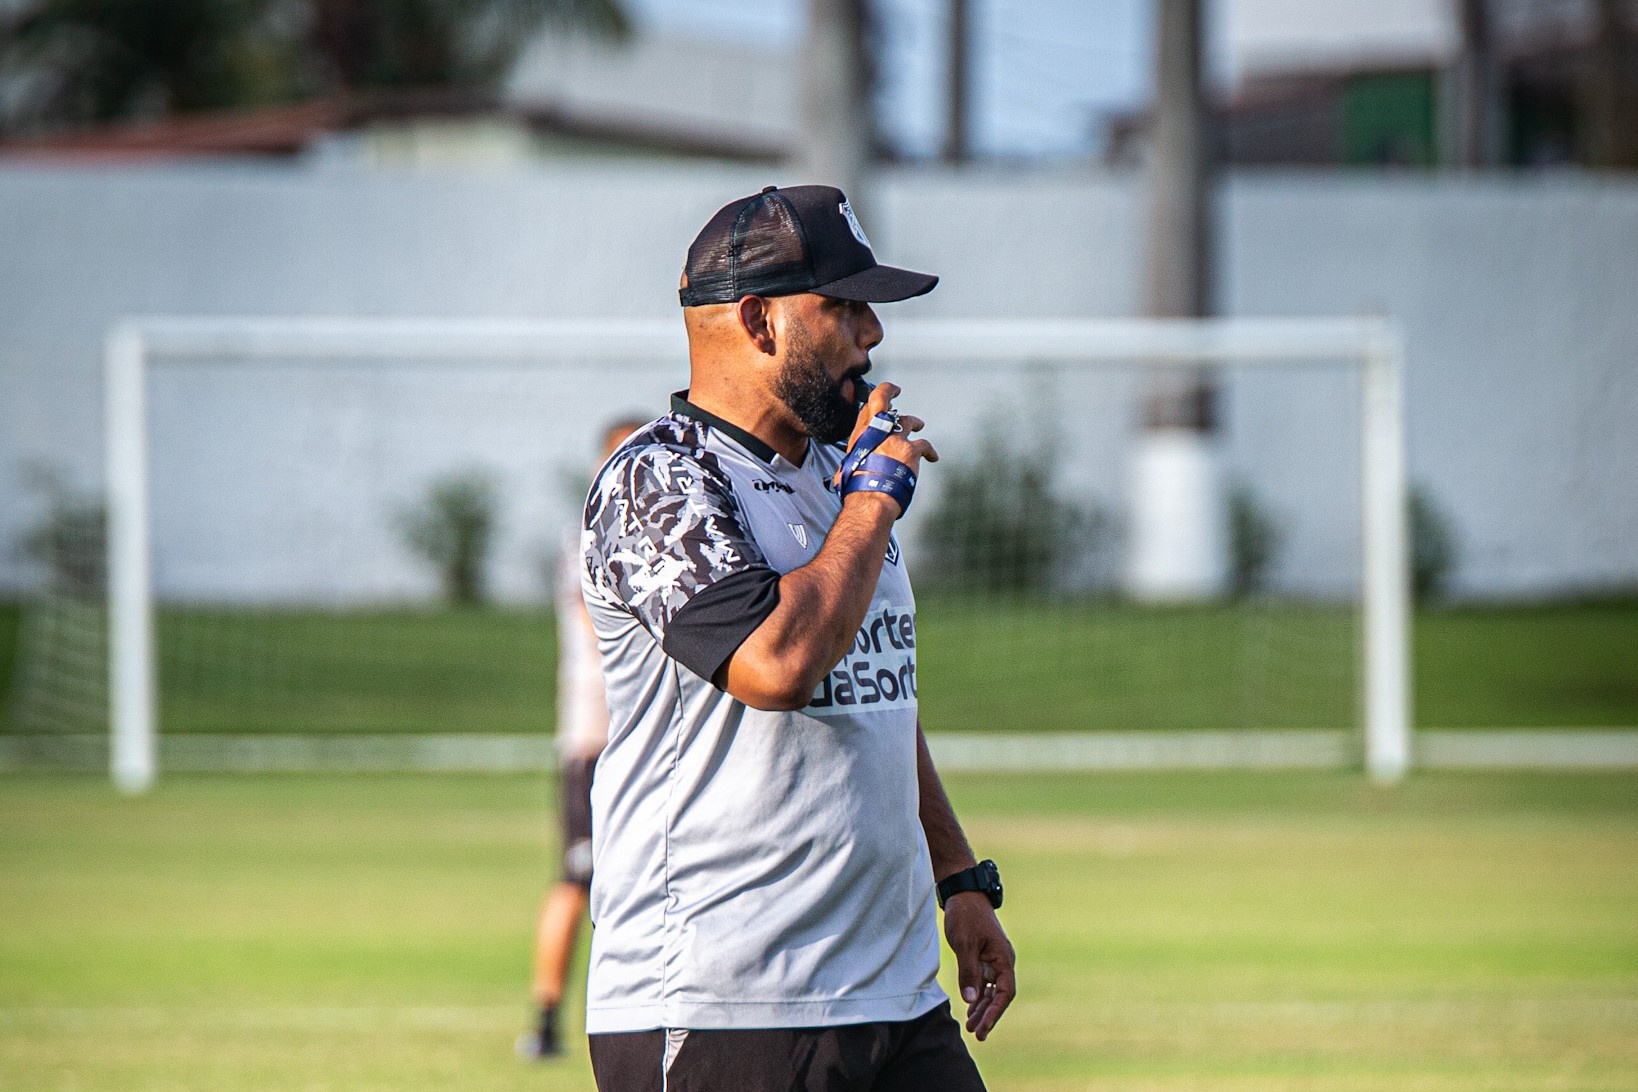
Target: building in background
[1327, 83]
[567, 97]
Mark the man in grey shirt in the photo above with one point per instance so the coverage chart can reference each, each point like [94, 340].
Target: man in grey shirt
[769, 834]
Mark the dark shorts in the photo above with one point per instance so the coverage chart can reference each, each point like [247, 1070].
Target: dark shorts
[575, 790]
[921, 1055]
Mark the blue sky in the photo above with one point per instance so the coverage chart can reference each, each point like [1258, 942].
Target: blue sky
[1045, 71]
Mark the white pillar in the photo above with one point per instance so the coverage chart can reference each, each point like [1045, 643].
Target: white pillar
[1177, 549]
[1177, 537]
[1387, 606]
[132, 750]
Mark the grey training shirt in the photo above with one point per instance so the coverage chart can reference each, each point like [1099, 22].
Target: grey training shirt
[752, 869]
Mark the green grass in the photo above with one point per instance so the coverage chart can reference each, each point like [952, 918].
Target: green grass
[1528, 667]
[1297, 932]
[1020, 666]
[365, 671]
[1011, 666]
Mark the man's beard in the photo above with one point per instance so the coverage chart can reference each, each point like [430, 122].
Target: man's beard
[806, 388]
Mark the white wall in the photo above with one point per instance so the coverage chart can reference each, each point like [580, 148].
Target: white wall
[1516, 295]
[1518, 299]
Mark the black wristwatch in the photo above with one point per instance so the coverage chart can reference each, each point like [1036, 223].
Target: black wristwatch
[983, 876]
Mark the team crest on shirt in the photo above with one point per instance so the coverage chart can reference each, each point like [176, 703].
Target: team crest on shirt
[801, 533]
[893, 551]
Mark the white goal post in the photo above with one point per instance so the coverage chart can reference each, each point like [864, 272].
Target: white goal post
[1374, 346]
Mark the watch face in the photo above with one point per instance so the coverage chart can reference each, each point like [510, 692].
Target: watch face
[990, 876]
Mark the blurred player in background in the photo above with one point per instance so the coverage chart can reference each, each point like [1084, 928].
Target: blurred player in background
[582, 730]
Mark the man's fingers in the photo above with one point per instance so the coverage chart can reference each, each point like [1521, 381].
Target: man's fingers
[881, 397]
[991, 1015]
[993, 1000]
[925, 450]
[982, 993]
[997, 987]
[978, 1010]
[880, 400]
[982, 1017]
[970, 973]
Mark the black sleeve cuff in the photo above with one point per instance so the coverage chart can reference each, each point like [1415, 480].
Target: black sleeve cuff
[711, 626]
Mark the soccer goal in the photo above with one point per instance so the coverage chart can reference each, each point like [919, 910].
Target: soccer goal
[278, 490]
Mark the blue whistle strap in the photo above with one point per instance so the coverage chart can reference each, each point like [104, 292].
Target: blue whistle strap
[881, 474]
[869, 483]
[888, 467]
[880, 428]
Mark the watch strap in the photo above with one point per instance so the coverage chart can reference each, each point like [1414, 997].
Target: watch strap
[983, 877]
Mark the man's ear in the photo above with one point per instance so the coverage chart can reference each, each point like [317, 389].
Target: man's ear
[756, 319]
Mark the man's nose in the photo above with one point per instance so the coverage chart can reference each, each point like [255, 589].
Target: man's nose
[870, 330]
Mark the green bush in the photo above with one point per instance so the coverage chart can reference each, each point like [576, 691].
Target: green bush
[998, 524]
[70, 540]
[453, 530]
[1255, 540]
[1433, 546]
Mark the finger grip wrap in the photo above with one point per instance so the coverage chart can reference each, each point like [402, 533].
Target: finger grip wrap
[880, 428]
[881, 474]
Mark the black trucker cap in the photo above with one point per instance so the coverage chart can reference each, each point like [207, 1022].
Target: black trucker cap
[781, 242]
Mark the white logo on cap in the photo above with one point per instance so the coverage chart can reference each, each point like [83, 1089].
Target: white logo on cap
[853, 222]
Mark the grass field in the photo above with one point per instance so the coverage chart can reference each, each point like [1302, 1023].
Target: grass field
[1176, 932]
[996, 666]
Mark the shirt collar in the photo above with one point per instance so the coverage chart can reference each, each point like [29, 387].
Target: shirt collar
[681, 405]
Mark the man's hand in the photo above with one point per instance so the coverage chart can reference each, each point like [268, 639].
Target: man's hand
[899, 445]
[984, 958]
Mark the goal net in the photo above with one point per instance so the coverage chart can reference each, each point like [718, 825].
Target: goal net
[287, 500]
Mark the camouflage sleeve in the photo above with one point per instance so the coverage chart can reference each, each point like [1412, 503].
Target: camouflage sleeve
[661, 526]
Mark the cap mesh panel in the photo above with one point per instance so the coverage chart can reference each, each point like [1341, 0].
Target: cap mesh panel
[750, 248]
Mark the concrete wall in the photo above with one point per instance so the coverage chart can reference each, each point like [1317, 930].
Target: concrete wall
[1517, 297]
[1518, 301]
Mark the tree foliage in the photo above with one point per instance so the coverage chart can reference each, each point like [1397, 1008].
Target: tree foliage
[452, 529]
[70, 539]
[1255, 540]
[999, 525]
[1433, 546]
[68, 62]
[95, 60]
[442, 43]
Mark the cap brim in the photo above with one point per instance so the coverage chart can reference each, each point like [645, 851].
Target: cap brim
[879, 284]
